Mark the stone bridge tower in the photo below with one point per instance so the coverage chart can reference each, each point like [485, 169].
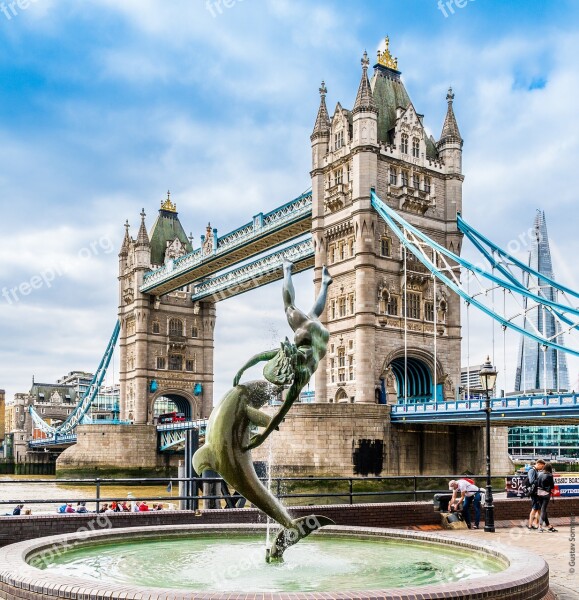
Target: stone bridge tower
[381, 322]
[166, 343]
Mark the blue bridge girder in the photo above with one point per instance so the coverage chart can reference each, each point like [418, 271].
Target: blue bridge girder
[260, 272]
[170, 436]
[263, 233]
[555, 409]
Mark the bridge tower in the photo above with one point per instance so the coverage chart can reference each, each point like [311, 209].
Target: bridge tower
[382, 306]
[166, 343]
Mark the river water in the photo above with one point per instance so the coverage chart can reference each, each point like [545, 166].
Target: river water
[28, 489]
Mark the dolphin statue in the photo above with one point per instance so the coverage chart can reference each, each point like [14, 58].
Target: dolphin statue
[226, 451]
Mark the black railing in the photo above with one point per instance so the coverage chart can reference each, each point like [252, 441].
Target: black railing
[412, 490]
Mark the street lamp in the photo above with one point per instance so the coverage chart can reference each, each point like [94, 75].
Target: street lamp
[488, 378]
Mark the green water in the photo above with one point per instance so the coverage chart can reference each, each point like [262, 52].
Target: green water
[315, 564]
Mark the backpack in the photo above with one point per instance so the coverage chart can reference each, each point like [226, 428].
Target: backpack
[528, 485]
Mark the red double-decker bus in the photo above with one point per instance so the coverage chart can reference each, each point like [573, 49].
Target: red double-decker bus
[172, 417]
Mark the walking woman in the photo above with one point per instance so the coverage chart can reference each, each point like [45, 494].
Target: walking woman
[545, 487]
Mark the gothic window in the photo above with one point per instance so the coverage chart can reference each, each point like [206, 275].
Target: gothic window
[339, 174]
[333, 309]
[351, 246]
[332, 254]
[415, 147]
[404, 143]
[160, 362]
[332, 363]
[413, 305]
[349, 172]
[351, 374]
[190, 365]
[429, 311]
[342, 251]
[427, 185]
[341, 375]
[342, 306]
[156, 327]
[392, 305]
[416, 182]
[350, 344]
[352, 304]
[338, 139]
[341, 357]
[194, 331]
[393, 176]
[404, 177]
[386, 246]
[175, 327]
[175, 362]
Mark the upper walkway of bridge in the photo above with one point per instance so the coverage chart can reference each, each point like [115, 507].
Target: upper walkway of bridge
[263, 233]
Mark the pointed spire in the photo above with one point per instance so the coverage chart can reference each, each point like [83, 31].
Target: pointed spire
[365, 98]
[126, 241]
[168, 205]
[450, 130]
[322, 126]
[143, 236]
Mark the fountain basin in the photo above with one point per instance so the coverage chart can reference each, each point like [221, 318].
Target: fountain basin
[521, 575]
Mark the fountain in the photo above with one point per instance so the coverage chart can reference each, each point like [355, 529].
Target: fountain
[226, 561]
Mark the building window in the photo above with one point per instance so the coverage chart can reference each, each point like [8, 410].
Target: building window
[332, 254]
[427, 185]
[333, 309]
[342, 251]
[341, 375]
[392, 305]
[404, 143]
[190, 365]
[160, 362]
[175, 362]
[339, 139]
[332, 363]
[416, 182]
[341, 357]
[351, 373]
[413, 305]
[351, 246]
[194, 331]
[349, 172]
[175, 327]
[338, 176]
[386, 246]
[156, 327]
[393, 176]
[342, 306]
[352, 304]
[429, 311]
[350, 344]
[404, 177]
[415, 147]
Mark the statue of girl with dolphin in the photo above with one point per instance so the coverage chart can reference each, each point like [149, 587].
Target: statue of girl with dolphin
[227, 443]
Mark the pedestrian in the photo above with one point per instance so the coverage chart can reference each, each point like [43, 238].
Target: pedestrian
[144, 507]
[81, 507]
[532, 477]
[69, 508]
[18, 509]
[467, 494]
[545, 487]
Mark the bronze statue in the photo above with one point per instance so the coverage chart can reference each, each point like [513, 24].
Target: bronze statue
[227, 444]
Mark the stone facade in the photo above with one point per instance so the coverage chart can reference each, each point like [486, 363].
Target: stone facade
[166, 343]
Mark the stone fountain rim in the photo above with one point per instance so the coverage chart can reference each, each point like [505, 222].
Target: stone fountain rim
[525, 572]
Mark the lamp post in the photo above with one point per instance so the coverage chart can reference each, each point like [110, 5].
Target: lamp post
[488, 378]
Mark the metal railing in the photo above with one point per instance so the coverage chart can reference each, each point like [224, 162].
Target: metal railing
[412, 489]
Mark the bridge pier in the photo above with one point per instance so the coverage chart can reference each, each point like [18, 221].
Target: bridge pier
[359, 439]
[114, 451]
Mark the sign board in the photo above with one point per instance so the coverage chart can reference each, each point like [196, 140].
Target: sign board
[565, 485]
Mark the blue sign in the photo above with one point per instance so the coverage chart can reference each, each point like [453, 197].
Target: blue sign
[197, 389]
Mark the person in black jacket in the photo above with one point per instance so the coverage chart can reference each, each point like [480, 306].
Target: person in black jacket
[545, 487]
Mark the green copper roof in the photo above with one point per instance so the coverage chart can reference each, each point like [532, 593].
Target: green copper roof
[389, 93]
[167, 227]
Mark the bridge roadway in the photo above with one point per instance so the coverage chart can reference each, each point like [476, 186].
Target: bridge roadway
[263, 233]
[552, 409]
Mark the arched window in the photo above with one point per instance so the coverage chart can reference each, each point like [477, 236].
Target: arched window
[386, 246]
[194, 331]
[175, 327]
[404, 143]
[156, 327]
[415, 147]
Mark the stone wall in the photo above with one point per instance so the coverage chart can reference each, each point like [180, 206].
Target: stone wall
[113, 450]
[358, 439]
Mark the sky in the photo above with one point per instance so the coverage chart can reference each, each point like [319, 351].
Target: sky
[106, 104]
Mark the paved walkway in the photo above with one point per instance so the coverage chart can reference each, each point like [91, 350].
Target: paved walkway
[556, 548]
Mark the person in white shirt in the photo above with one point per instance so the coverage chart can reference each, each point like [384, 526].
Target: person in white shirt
[466, 492]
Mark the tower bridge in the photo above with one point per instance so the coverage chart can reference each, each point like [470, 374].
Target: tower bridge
[382, 214]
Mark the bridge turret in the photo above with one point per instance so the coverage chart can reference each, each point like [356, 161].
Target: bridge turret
[143, 246]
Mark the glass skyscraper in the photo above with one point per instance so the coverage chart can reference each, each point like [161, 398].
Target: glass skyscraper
[539, 369]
